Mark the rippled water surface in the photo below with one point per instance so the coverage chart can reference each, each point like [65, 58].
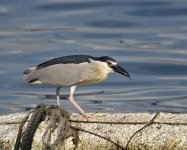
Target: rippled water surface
[148, 38]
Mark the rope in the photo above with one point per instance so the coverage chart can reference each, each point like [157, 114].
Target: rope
[148, 124]
[17, 144]
[58, 119]
[115, 123]
[105, 138]
[35, 120]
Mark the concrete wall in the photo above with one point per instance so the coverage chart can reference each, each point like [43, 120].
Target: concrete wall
[168, 132]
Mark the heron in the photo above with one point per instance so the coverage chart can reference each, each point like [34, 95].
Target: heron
[73, 71]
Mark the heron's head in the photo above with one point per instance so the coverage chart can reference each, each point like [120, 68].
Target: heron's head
[111, 63]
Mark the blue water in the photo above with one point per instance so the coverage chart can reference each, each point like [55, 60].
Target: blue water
[148, 38]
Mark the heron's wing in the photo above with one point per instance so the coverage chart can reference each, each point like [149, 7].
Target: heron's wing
[60, 74]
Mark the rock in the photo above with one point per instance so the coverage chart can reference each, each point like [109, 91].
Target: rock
[168, 132]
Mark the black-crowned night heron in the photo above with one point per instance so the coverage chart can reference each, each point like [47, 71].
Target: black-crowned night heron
[73, 71]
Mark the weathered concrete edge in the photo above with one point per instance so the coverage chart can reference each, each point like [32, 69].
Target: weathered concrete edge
[156, 136]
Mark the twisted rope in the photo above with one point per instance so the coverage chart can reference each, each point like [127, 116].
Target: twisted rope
[37, 117]
[58, 119]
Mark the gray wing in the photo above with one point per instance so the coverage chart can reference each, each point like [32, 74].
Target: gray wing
[60, 74]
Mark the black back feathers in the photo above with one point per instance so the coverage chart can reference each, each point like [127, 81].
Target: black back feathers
[73, 59]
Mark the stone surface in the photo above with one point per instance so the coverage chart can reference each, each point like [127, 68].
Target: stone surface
[156, 136]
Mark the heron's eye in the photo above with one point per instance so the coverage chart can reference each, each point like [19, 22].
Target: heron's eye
[109, 63]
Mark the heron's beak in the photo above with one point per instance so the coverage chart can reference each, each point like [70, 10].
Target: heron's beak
[120, 70]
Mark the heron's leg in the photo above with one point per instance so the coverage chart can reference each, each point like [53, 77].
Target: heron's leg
[58, 95]
[71, 98]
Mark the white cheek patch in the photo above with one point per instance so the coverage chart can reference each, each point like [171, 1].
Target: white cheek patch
[113, 63]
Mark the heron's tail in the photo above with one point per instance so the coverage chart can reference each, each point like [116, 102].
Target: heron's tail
[31, 76]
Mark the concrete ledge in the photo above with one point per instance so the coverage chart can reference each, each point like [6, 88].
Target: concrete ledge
[169, 131]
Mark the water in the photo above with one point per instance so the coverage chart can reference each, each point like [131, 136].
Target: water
[148, 38]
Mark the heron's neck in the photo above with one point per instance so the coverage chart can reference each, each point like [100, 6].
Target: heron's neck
[102, 70]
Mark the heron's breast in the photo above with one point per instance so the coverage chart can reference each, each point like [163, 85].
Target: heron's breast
[95, 74]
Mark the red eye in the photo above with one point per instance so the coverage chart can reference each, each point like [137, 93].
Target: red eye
[109, 62]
